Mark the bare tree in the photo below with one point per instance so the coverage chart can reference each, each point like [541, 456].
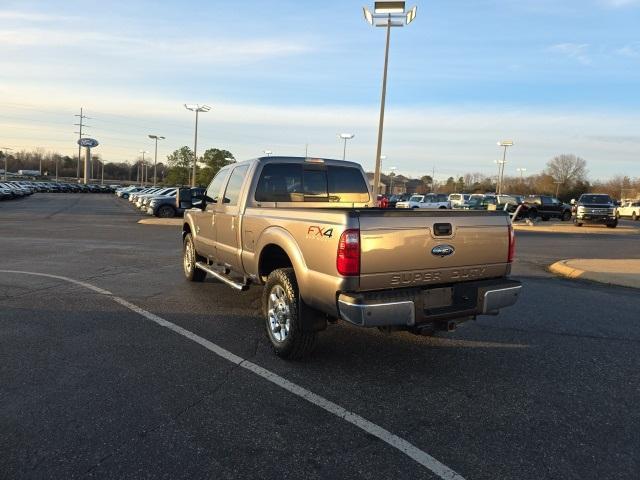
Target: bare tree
[567, 169]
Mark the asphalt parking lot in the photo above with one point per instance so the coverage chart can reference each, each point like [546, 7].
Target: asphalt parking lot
[91, 388]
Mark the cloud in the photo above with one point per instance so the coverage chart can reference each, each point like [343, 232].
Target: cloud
[631, 50]
[577, 51]
[620, 3]
[190, 50]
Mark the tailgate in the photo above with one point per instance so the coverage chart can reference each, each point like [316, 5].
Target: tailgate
[412, 248]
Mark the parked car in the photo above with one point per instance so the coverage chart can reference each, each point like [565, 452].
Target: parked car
[546, 207]
[125, 192]
[430, 200]
[630, 210]
[595, 208]
[458, 200]
[394, 199]
[139, 202]
[304, 230]
[171, 206]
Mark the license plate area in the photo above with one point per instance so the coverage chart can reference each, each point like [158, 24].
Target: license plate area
[434, 298]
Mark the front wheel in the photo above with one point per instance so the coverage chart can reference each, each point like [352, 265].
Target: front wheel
[189, 259]
[612, 225]
[281, 311]
[166, 211]
[566, 216]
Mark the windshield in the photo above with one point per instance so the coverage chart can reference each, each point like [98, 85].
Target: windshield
[416, 198]
[601, 199]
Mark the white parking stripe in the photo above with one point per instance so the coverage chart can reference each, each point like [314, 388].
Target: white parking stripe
[386, 436]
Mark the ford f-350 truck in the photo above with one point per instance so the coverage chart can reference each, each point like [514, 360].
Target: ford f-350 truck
[307, 231]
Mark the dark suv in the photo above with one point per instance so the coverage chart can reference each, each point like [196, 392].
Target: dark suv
[596, 208]
[547, 207]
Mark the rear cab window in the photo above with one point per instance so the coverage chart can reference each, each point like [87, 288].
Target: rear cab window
[291, 182]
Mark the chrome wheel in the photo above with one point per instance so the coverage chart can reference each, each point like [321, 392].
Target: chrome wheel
[189, 257]
[279, 314]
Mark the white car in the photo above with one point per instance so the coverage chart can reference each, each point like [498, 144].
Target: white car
[458, 200]
[629, 209]
[430, 200]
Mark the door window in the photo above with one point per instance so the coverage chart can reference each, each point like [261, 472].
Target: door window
[213, 190]
[232, 193]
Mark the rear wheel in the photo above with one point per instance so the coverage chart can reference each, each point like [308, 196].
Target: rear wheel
[612, 225]
[189, 259]
[281, 311]
[166, 211]
[566, 216]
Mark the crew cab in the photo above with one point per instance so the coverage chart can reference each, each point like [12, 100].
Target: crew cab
[547, 207]
[595, 208]
[629, 209]
[308, 233]
[430, 200]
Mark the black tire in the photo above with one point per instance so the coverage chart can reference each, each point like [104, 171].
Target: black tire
[612, 225]
[166, 211]
[280, 303]
[634, 216]
[544, 218]
[566, 216]
[125, 196]
[578, 224]
[189, 259]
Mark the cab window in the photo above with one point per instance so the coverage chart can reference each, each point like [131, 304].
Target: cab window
[213, 190]
[232, 193]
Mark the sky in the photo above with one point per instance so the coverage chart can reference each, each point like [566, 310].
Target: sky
[556, 77]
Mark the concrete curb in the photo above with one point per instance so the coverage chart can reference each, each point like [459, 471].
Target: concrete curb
[167, 222]
[564, 268]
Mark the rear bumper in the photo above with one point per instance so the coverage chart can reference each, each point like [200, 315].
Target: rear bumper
[412, 308]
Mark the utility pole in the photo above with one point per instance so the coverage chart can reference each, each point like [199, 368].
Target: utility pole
[80, 124]
[155, 157]
[196, 108]
[505, 144]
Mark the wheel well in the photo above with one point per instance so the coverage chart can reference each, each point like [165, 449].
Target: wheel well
[272, 257]
[185, 229]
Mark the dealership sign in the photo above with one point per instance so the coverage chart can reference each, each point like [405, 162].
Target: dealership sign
[88, 142]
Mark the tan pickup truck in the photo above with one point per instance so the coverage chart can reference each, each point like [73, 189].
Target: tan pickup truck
[308, 232]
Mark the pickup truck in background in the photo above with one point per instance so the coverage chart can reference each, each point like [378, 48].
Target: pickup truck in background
[307, 232]
[430, 200]
[595, 208]
[629, 209]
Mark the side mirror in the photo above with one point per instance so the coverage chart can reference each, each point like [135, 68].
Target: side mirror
[573, 201]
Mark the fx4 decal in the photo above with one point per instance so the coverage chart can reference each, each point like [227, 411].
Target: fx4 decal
[319, 232]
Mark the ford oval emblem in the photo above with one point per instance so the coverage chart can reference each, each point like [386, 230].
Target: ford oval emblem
[442, 250]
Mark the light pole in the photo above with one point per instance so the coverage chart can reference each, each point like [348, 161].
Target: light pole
[505, 144]
[558, 183]
[390, 14]
[345, 137]
[196, 108]
[144, 167]
[57, 168]
[6, 156]
[391, 175]
[155, 157]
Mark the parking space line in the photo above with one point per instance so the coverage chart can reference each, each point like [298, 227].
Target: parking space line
[371, 428]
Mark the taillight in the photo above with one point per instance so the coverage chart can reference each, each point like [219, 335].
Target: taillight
[512, 245]
[348, 260]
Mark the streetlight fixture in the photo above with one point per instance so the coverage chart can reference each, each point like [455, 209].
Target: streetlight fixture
[6, 156]
[345, 137]
[196, 108]
[268, 153]
[505, 144]
[155, 157]
[386, 14]
[144, 167]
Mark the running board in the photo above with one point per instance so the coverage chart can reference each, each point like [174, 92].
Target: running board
[206, 268]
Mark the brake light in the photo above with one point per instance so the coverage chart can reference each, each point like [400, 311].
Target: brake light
[512, 245]
[348, 259]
